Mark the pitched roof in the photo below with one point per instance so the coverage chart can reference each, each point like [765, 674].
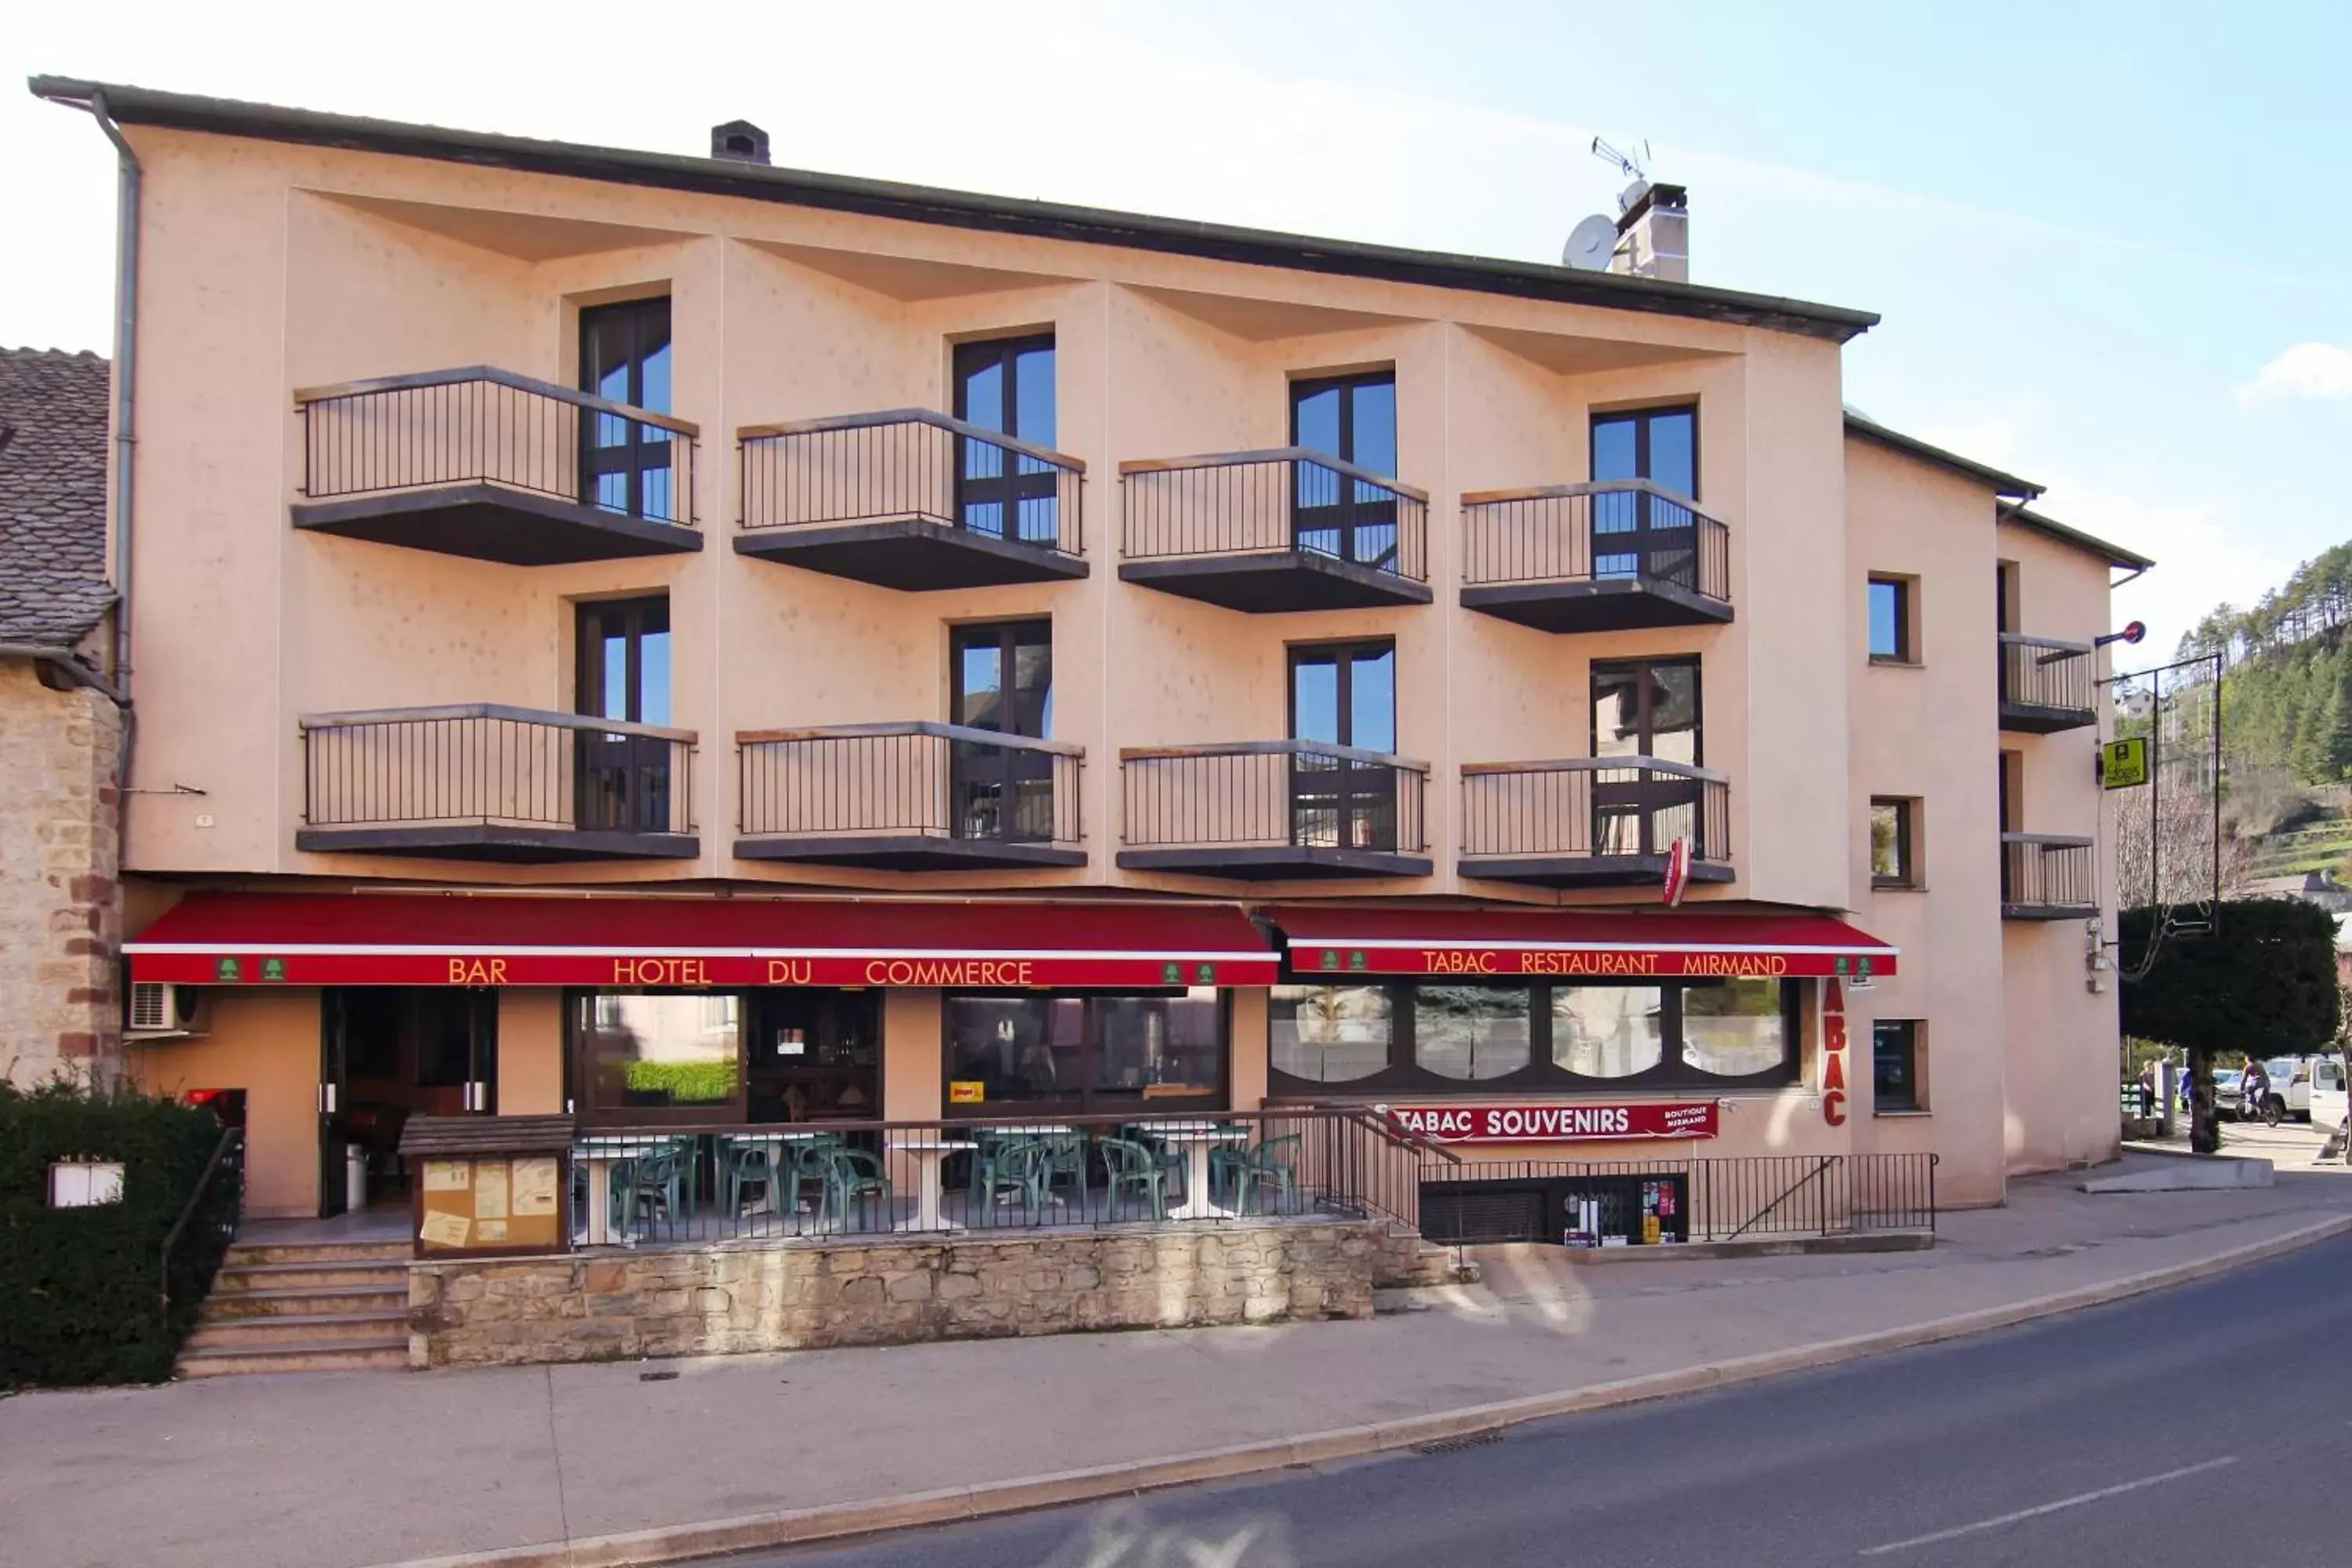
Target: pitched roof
[53, 412]
[2050, 528]
[2003, 484]
[959, 209]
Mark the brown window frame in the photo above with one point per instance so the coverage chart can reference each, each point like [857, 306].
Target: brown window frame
[1906, 841]
[1907, 644]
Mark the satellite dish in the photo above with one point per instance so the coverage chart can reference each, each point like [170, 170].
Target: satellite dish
[1591, 246]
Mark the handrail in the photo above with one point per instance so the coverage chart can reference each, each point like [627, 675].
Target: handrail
[472, 372]
[494, 711]
[229, 1137]
[1598, 765]
[1273, 455]
[1820, 1170]
[1273, 747]
[913, 416]
[1387, 1123]
[2055, 645]
[1589, 487]
[912, 727]
[2049, 840]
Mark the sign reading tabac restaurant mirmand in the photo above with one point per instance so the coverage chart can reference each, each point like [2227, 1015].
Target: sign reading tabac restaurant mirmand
[1625, 962]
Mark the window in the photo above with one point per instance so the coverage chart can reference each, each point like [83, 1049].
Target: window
[1890, 621]
[1007, 386]
[622, 654]
[624, 357]
[1896, 1059]
[1636, 534]
[1353, 418]
[1343, 694]
[1893, 860]
[645, 1053]
[1001, 678]
[1645, 710]
[1465, 1040]
[1084, 1052]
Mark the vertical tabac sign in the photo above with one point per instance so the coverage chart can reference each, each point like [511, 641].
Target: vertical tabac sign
[1833, 1053]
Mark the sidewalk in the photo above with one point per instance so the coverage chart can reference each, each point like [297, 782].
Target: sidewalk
[339, 1470]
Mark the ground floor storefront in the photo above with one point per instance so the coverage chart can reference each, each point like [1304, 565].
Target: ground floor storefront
[727, 1069]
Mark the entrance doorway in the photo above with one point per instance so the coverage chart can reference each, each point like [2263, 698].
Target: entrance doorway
[387, 1053]
[815, 1056]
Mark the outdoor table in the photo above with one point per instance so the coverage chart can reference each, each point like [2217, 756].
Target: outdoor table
[927, 1153]
[1030, 1130]
[600, 1155]
[774, 1142]
[1194, 1138]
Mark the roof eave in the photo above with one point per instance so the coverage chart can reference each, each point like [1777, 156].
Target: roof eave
[2115, 555]
[2007, 486]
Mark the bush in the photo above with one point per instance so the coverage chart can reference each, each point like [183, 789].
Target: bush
[684, 1083]
[78, 1287]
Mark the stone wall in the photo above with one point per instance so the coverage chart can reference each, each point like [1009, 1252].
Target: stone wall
[665, 1302]
[60, 910]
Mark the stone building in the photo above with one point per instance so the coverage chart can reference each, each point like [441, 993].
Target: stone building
[60, 727]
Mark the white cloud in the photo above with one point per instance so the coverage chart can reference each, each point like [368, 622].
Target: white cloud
[2320, 371]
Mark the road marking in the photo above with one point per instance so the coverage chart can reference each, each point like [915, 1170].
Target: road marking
[2074, 1501]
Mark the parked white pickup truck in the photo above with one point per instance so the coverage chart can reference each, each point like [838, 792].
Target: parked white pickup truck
[2330, 1102]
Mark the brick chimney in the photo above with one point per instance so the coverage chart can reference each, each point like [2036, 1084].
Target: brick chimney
[1653, 233]
[739, 140]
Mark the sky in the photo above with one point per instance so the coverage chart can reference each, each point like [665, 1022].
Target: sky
[2109, 242]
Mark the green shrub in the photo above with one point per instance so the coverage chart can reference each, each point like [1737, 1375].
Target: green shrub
[685, 1083]
[80, 1288]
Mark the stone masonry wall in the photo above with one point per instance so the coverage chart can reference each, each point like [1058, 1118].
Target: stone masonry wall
[793, 1296]
[60, 908]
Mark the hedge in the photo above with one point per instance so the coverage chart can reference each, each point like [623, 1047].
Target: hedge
[79, 1286]
[685, 1083]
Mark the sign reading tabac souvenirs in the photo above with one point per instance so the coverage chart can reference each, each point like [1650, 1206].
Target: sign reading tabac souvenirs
[1558, 1123]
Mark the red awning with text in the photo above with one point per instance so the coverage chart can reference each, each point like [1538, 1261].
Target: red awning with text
[1342, 941]
[723, 944]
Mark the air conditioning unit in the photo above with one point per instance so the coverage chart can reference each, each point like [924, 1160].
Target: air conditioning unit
[161, 1011]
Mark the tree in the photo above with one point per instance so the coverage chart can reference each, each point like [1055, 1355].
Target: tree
[2261, 981]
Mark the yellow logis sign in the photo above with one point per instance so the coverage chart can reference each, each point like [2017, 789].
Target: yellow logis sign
[2123, 764]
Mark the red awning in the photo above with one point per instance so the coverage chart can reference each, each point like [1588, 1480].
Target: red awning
[495, 939]
[1540, 943]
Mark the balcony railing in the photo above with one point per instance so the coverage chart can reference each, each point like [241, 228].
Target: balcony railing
[910, 797]
[486, 463]
[2047, 877]
[1592, 820]
[1595, 557]
[1274, 808]
[486, 782]
[910, 499]
[2047, 684]
[1287, 528]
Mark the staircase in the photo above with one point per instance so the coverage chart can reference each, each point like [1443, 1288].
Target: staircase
[334, 1306]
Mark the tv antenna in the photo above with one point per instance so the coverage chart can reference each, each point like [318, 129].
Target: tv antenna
[1627, 163]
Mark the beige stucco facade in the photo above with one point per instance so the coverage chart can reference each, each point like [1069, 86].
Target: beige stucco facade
[274, 266]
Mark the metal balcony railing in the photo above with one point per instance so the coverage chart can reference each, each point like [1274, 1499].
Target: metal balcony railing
[921, 779]
[1298, 794]
[912, 463]
[2044, 672]
[481, 764]
[1593, 807]
[1616, 530]
[479, 424]
[2047, 874]
[1284, 499]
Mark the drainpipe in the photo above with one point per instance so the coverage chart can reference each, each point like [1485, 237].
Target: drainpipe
[60, 664]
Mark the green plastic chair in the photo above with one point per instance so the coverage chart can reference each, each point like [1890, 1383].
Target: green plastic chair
[655, 1180]
[740, 1165]
[988, 1160]
[1271, 1164]
[806, 1161]
[853, 1177]
[1018, 1167]
[1065, 1160]
[1132, 1167]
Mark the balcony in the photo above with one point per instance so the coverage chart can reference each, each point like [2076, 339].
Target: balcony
[482, 781]
[1592, 822]
[908, 797]
[1268, 532]
[1606, 557]
[911, 500]
[2046, 685]
[2047, 877]
[1259, 810]
[493, 466]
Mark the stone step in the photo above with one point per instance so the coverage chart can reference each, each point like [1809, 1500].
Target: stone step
[325, 1299]
[237, 1277]
[386, 1354]
[302, 1329]
[393, 1251]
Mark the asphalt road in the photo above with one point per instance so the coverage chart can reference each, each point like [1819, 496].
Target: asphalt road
[2135, 1436]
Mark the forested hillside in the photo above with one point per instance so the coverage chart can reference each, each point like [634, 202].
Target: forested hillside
[2287, 693]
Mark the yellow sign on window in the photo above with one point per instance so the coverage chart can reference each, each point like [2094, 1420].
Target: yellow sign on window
[2124, 764]
[966, 1091]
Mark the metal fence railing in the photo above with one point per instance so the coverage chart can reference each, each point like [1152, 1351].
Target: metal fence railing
[1288, 498]
[479, 424]
[2047, 871]
[996, 1170]
[1695, 1198]
[482, 765]
[2044, 672]
[193, 1248]
[1616, 530]
[912, 463]
[919, 779]
[1271, 794]
[1581, 807]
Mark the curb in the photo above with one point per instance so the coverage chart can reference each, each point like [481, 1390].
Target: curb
[793, 1527]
